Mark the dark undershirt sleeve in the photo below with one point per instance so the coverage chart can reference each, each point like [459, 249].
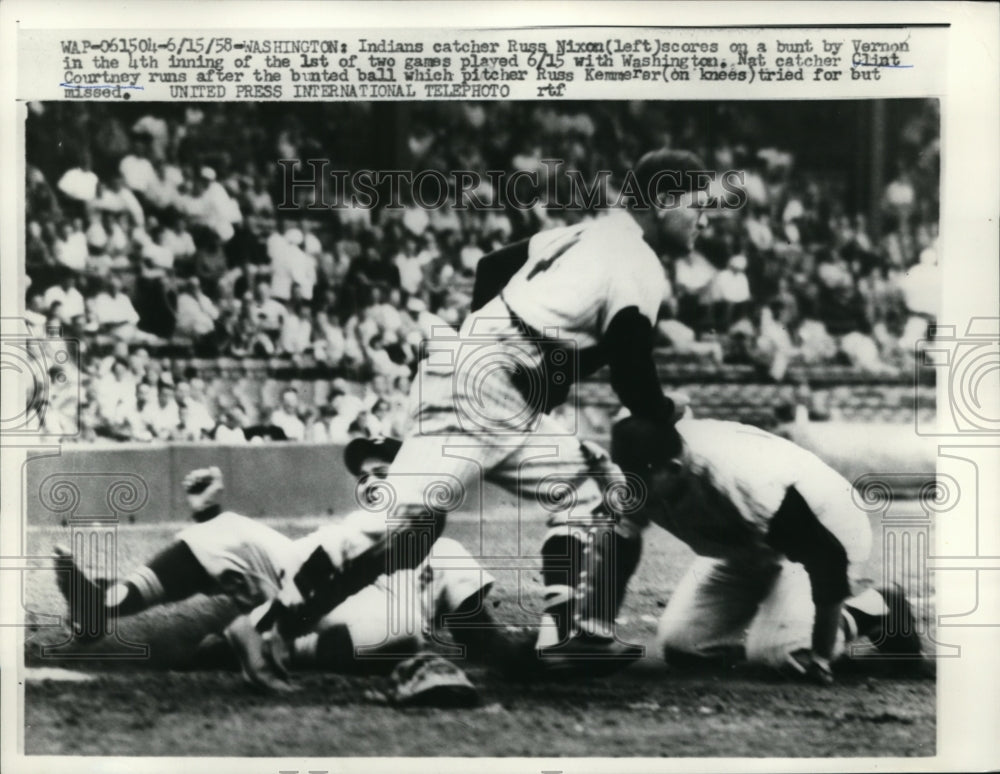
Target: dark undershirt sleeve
[798, 534]
[628, 346]
[494, 271]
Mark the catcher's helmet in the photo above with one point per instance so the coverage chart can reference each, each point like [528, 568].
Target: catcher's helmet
[640, 445]
[361, 449]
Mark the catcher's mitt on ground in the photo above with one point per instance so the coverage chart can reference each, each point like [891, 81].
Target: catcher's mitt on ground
[427, 680]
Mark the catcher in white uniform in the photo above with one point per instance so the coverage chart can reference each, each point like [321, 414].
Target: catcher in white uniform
[778, 537]
[545, 312]
[226, 553]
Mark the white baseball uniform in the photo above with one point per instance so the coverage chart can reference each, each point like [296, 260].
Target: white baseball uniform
[740, 591]
[248, 559]
[476, 406]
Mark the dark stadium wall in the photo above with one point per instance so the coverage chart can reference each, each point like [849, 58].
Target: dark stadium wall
[310, 479]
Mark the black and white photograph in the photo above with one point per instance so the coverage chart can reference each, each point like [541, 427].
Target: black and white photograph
[410, 424]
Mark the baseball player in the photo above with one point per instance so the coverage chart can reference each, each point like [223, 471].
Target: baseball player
[546, 311]
[226, 553]
[778, 537]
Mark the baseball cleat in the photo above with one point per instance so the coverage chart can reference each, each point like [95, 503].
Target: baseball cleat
[892, 637]
[588, 654]
[88, 610]
[896, 635]
[259, 667]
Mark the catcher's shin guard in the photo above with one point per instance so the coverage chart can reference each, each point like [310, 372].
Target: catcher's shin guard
[323, 586]
[586, 571]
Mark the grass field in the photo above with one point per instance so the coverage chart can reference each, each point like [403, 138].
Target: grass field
[164, 706]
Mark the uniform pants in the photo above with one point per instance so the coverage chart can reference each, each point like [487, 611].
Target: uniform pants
[720, 606]
[398, 613]
[466, 429]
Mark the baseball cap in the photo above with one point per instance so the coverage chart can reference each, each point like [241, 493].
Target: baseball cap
[361, 449]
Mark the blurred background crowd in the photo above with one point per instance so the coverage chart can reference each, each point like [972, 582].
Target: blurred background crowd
[210, 302]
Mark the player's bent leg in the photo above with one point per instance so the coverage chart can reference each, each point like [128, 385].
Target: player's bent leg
[592, 547]
[170, 576]
[367, 633]
[709, 611]
[586, 571]
[454, 597]
[336, 562]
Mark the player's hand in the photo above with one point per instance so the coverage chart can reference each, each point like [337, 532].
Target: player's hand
[806, 666]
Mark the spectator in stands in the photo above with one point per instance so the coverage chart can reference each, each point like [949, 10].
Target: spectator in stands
[775, 344]
[231, 423]
[268, 311]
[196, 315]
[286, 416]
[67, 296]
[132, 423]
[177, 239]
[682, 340]
[410, 262]
[96, 233]
[358, 331]
[115, 313]
[37, 253]
[161, 416]
[34, 314]
[693, 274]
[115, 393]
[319, 428]
[290, 265]
[244, 332]
[328, 345]
[117, 198]
[136, 170]
[862, 352]
[385, 309]
[119, 228]
[295, 339]
[729, 293]
[364, 426]
[157, 258]
[815, 343]
[196, 421]
[209, 264]
[210, 205]
[71, 246]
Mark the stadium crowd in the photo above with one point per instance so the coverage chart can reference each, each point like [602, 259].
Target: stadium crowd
[158, 237]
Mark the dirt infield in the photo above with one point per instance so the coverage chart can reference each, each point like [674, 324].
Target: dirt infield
[165, 706]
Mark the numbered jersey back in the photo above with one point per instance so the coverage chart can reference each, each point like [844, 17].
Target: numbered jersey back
[578, 277]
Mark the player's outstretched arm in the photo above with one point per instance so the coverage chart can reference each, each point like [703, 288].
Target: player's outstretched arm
[628, 342]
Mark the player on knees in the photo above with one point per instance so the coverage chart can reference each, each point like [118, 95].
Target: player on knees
[778, 538]
[547, 311]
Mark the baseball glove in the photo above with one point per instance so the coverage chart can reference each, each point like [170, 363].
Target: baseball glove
[427, 680]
